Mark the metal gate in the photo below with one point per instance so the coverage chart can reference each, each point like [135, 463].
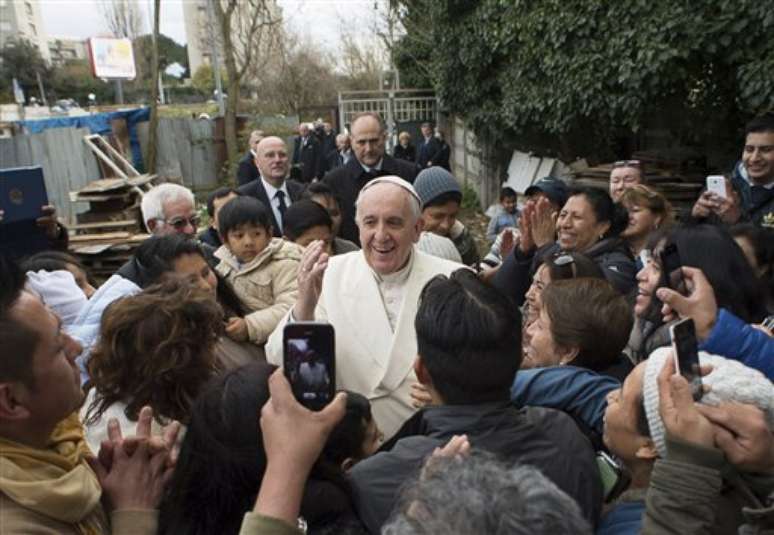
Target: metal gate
[401, 109]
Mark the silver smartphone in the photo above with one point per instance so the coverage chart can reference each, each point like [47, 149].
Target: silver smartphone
[717, 184]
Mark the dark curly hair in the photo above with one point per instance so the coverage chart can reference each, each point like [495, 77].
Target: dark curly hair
[155, 348]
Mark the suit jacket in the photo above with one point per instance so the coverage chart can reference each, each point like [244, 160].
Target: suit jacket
[347, 181]
[427, 150]
[333, 159]
[308, 157]
[370, 358]
[247, 170]
[256, 189]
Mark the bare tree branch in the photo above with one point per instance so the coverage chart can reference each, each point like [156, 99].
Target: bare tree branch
[123, 17]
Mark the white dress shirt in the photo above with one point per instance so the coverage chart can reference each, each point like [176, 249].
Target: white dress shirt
[271, 193]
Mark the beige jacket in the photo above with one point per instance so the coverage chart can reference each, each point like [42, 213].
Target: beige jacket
[267, 285]
[18, 520]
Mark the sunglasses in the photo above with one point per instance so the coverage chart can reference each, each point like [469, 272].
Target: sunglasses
[181, 222]
[565, 261]
[627, 163]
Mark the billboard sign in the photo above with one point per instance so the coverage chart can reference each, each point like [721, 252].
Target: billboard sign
[112, 58]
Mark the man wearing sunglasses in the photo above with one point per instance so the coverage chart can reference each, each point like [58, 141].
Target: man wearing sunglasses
[170, 209]
[625, 174]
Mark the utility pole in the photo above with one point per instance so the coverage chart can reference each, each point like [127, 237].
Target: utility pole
[119, 91]
[215, 60]
[41, 89]
[154, 115]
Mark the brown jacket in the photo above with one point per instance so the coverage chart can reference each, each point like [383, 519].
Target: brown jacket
[268, 285]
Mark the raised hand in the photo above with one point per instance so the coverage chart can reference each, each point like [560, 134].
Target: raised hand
[743, 434]
[543, 223]
[700, 305]
[527, 241]
[310, 276]
[678, 411]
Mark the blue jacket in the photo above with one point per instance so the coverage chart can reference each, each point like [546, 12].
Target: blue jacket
[733, 338]
[623, 519]
[577, 391]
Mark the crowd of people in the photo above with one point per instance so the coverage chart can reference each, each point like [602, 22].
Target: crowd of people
[530, 388]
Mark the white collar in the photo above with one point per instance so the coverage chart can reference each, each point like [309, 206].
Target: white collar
[770, 185]
[377, 167]
[397, 277]
[271, 191]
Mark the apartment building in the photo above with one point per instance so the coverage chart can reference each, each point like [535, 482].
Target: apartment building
[22, 18]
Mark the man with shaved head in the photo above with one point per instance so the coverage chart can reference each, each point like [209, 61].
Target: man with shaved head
[368, 138]
[271, 186]
[370, 297]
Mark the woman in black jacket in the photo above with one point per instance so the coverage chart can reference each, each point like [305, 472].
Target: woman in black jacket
[404, 150]
[589, 223]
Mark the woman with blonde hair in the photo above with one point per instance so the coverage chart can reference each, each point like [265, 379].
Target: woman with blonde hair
[405, 150]
[648, 210]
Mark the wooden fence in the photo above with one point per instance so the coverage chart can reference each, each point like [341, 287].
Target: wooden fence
[68, 164]
[185, 151]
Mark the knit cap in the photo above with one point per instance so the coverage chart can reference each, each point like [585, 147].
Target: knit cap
[59, 291]
[434, 182]
[729, 380]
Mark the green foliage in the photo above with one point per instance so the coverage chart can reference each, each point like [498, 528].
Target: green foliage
[20, 59]
[569, 68]
[74, 80]
[470, 199]
[204, 81]
[169, 52]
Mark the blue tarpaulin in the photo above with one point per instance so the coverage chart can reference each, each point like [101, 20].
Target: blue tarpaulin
[97, 123]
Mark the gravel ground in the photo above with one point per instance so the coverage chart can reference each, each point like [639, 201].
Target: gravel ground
[476, 222]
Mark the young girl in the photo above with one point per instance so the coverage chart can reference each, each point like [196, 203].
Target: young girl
[262, 269]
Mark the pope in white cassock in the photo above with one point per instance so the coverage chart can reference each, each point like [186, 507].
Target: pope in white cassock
[370, 297]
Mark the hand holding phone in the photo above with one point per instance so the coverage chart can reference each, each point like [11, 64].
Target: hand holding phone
[686, 350]
[672, 269]
[309, 362]
[716, 184]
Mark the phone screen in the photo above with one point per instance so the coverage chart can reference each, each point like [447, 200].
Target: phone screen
[671, 264]
[687, 354]
[309, 363]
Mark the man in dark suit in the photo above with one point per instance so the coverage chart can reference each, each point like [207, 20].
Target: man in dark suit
[340, 155]
[271, 188]
[306, 154]
[328, 138]
[247, 170]
[368, 138]
[428, 147]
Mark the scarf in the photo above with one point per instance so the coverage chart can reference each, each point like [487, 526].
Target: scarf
[55, 482]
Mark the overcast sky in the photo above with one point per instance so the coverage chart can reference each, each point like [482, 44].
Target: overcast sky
[321, 19]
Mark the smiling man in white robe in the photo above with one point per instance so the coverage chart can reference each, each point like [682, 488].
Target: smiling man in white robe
[371, 297]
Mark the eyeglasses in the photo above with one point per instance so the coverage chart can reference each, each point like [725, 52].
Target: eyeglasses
[181, 222]
[565, 261]
[627, 163]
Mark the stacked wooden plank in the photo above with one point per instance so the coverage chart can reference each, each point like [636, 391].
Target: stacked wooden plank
[678, 175]
[107, 234]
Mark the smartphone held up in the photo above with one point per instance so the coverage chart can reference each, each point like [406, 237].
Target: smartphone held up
[686, 350]
[672, 268]
[309, 362]
[717, 184]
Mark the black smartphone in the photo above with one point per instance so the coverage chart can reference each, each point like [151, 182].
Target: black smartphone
[671, 264]
[309, 362]
[686, 350]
